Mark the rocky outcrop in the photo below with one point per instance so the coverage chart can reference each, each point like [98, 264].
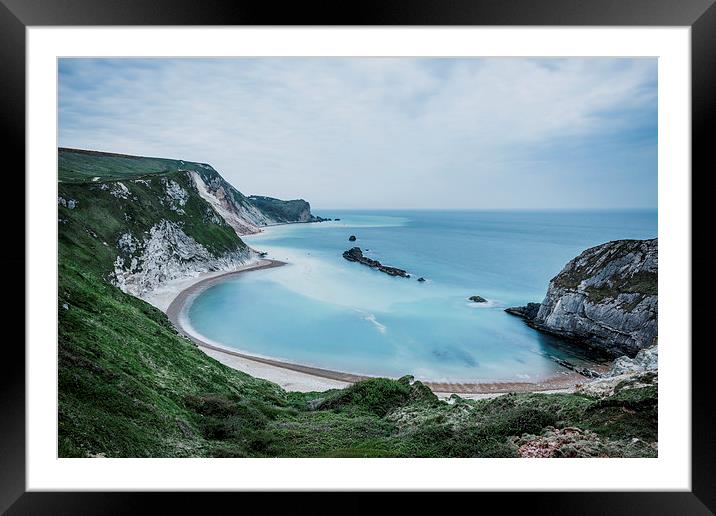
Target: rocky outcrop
[477, 299]
[646, 360]
[166, 253]
[626, 373]
[282, 212]
[234, 208]
[248, 214]
[356, 255]
[67, 203]
[604, 299]
[352, 238]
[573, 442]
[611, 385]
[529, 311]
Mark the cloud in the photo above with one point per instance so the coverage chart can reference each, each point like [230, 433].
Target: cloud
[383, 132]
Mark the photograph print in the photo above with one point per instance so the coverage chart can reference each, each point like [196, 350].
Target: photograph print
[357, 257]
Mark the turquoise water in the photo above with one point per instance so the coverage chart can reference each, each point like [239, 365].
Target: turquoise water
[324, 311]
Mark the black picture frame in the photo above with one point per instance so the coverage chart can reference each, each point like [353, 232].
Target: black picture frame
[17, 15]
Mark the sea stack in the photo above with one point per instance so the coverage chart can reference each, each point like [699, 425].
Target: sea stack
[352, 238]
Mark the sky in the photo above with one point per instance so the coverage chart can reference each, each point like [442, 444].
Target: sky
[421, 133]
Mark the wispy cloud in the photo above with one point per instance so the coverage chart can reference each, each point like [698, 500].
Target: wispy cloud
[432, 133]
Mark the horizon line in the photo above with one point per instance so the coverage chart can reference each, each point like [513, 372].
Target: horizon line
[618, 208]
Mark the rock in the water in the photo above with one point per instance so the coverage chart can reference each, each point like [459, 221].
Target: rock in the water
[605, 299]
[356, 255]
[477, 299]
[352, 238]
[421, 279]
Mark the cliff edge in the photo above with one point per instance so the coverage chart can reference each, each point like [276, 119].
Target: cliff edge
[141, 222]
[604, 299]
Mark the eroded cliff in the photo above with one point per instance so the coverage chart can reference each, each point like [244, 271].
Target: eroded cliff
[605, 298]
[142, 222]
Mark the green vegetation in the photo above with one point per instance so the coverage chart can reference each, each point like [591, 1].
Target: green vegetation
[80, 166]
[643, 283]
[130, 386]
[127, 380]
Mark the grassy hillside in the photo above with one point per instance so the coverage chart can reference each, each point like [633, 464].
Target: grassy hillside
[76, 165]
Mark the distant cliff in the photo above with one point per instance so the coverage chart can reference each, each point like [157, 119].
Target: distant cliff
[279, 211]
[605, 299]
[141, 222]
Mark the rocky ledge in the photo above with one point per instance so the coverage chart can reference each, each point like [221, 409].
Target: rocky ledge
[626, 372]
[604, 299]
[356, 255]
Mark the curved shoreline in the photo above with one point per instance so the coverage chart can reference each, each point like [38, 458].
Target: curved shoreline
[300, 377]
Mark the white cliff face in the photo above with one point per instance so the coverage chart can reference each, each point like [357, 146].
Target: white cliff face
[176, 195]
[244, 218]
[606, 297]
[166, 253]
[120, 190]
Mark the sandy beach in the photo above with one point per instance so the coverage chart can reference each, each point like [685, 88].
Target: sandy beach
[174, 297]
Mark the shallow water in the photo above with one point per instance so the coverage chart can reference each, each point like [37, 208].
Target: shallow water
[324, 311]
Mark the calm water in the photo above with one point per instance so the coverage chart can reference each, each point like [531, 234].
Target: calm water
[324, 311]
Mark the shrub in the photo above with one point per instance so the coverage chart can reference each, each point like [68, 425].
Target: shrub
[377, 396]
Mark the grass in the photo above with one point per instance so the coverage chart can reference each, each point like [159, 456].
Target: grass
[125, 376]
[81, 166]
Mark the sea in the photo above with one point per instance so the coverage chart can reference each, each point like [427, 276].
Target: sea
[323, 311]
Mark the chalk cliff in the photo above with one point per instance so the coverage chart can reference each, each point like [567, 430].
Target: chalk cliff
[142, 222]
